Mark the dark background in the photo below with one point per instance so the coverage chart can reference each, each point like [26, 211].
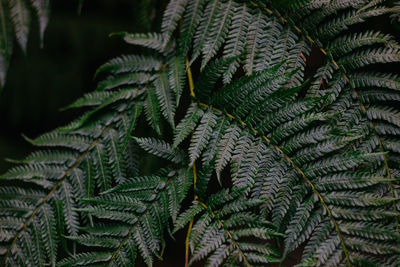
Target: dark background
[45, 80]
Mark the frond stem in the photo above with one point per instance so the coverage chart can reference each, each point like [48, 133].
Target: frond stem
[307, 180]
[187, 240]
[190, 77]
[221, 223]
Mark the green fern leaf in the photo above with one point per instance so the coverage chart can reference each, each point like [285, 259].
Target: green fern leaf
[172, 14]
[177, 76]
[191, 19]
[150, 40]
[152, 109]
[225, 148]
[161, 149]
[204, 27]
[187, 125]
[201, 135]
[130, 63]
[165, 98]
[218, 31]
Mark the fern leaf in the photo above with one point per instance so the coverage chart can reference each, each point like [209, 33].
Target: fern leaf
[218, 31]
[225, 148]
[334, 27]
[236, 38]
[165, 98]
[42, 10]
[311, 167]
[86, 259]
[187, 125]
[385, 113]
[191, 19]
[152, 110]
[218, 131]
[91, 99]
[161, 149]
[346, 44]
[172, 14]
[117, 163]
[201, 135]
[150, 40]
[206, 22]
[177, 76]
[220, 231]
[124, 80]
[368, 79]
[48, 231]
[210, 75]
[370, 56]
[20, 17]
[130, 63]
[6, 42]
[254, 39]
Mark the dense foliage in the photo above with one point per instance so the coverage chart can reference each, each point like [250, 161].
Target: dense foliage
[275, 156]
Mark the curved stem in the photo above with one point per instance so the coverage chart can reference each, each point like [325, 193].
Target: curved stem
[297, 168]
[187, 243]
[221, 223]
[346, 77]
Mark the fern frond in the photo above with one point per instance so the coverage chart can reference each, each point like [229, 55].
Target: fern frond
[188, 123]
[201, 135]
[235, 41]
[149, 40]
[6, 41]
[310, 166]
[177, 76]
[152, 109]
[218, 31]
[334, 27]
[86, 157]
[142, 200]
[165, 98]
[205, 24]
[130, 63]
[42, 10]
[348, 43]
[225, 148]
[227, 229]
[210, 75]
[161, 149]
[20, 17]
[172, 14]
[191, 19]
